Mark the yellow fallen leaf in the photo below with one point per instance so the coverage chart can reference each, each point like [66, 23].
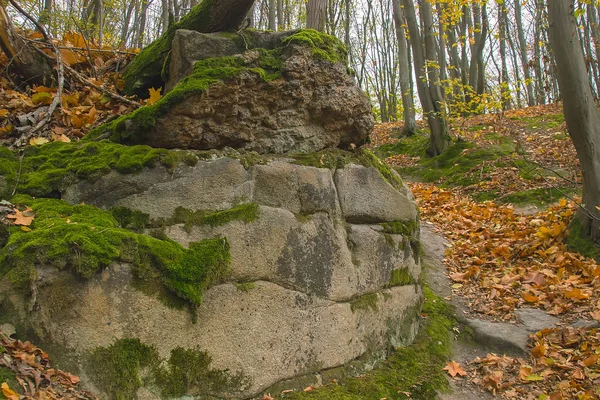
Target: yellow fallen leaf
[37, 141]
[60, 138]
[154, 96]
[42, 98]
[3, 112]
[9, 393]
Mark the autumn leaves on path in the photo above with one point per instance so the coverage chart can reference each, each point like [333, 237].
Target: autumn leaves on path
[500, 260]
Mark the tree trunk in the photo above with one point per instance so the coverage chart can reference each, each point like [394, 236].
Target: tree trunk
[272, 15]
[581, 114]
[427, 86]
[504, 88]
[523, 54]
[410, 123]
[145, 70]
[25, 61]
[316, 14]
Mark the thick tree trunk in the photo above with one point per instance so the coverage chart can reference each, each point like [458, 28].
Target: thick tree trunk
[410, 123]
[316, 14]
[145, 70]
[25, 61]
[581, 114]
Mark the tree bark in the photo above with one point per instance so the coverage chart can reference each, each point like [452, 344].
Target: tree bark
[410, 123]
[523, 54]
[427, 80]
[25, 61]
[144, 72]
[581, 115]
[316, 14]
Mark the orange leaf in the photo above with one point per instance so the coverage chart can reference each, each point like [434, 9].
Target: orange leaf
[454, 369]
[9, 393]
[530, 298]
[22, 218]
[591, 360]
[576, 294]
[539, 350]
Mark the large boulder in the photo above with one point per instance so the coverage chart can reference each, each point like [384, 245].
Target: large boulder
[296, 97]
[309, 283]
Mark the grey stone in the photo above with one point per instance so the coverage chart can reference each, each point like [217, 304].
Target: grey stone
[314, 105]
[299, 189]
[366, 197]
[500, 337]
[210, 185]
[534, 319]
[191, 46]
[268, 333]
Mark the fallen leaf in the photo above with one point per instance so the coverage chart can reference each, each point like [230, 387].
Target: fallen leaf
[154, 96]
[22, 217]
[38, 141]
[454, 369]
[9, 393]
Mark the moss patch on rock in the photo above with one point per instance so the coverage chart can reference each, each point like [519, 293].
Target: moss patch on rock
[404, 228]
[413, 372]
[365, 302]
[85, 240]
[401, 277]
[132, 129]
[247, 213]
[123, 367]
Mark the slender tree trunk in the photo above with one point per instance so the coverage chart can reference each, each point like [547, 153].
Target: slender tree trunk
[504, 85]
[272, 15]
[25, 61]
[427, 79]
[581, 114]
[410, 123]
[523, 53]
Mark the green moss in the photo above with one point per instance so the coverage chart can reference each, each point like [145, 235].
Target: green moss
[461, 164]
[116, 369]
[413, 372]
[46, 169]
[130, 219]
[404, 228]
[245, 286]
[401, 277]
[85, 239]
[123, 367]
[539, 196]
[188, 372]
[9, 167]
[365, 302]
[323, 46]
[248, 212]
[578, 242]
[548, 121]
[384, 169]
[413, 146]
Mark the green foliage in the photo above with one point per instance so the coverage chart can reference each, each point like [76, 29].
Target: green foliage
[365, 302]
[413, 372]
[579, 242]
[116, 369]
[85, 239]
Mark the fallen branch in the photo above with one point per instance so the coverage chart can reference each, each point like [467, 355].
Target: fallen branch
[60, 75]
[81, 79]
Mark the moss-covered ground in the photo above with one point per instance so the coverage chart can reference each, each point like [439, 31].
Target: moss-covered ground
[412, 372]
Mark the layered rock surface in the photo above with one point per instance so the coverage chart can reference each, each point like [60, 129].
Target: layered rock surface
[312, 284]
[293, 95]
